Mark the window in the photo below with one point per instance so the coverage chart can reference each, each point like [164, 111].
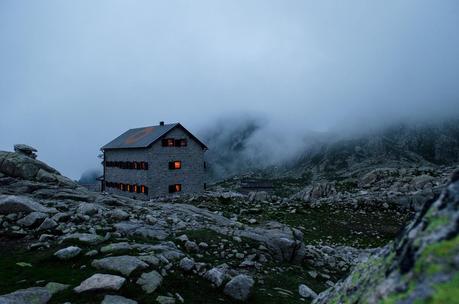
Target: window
[205, 186]
[205, 165]
[168, 142]
[128, 187]
[175, 165]
[180, 142]
[134, 165]
[175, 188]
[172, 142]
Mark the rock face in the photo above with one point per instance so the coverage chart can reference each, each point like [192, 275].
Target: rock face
[422, 265]
[101, 282]
[239, 288]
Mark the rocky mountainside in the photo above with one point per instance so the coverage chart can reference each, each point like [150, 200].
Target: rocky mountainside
[70, 244]
[421, 266]
[398, 146]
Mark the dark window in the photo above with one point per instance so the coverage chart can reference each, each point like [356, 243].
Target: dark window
[175, 165]
[205, 186]
[205, 165]
[175, 188]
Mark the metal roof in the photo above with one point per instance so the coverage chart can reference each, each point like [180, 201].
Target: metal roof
[144, 137]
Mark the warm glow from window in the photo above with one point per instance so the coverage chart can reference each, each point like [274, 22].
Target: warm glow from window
[177, 164]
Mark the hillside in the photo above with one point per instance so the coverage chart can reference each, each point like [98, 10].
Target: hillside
[339, 238]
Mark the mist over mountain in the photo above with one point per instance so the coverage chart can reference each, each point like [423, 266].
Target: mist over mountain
[240, 145]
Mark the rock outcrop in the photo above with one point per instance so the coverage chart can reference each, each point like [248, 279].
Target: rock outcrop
[422, 266]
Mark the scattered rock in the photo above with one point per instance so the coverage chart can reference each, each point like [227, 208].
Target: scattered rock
[48, 224]
[15, 204]
[150, 281]
[165, 300]
[123, 264]
[110, 299]
[100, 282]
[306, 292]
[216, 276]
[32, 219]
[187, 264]
[67, 253]
[239, 287]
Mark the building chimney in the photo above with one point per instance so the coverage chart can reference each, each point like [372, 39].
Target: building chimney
[161, 123]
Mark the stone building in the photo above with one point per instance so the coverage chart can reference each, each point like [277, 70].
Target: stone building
[154, 161]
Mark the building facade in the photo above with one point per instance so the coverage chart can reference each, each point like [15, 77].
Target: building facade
[154, 161]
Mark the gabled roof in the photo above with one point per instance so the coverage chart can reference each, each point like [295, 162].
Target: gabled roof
[145, 137]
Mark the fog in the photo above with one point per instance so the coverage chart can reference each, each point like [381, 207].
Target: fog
[74, 75]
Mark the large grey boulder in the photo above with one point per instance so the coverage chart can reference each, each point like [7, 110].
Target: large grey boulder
[22, 166]
[33, 295]
[110, 299]
[239, 287]
[150, 281]
[26, 150]
[124, 264]
[32, 219]
[101, 282]
[67, 253]
[15, 204]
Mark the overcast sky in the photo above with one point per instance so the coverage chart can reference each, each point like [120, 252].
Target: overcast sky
[76, 74]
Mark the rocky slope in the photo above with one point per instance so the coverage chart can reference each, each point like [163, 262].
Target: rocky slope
[63, 243]
[74, 245]
[421, 266]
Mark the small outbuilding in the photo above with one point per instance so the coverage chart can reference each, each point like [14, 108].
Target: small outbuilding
[154, 161]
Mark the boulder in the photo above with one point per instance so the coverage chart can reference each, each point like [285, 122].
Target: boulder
[123, 264]
[32, 219]
[216, 276]
[101, 282]
[67, 253]
[88, 209]
[150, 281]
[239, 287]
[35, 295]
[15, 204]
[85, 238]
[187, 264]
[110, 299]
[118, 215]
[306, 292]
[165, 300]
[48, 224]
[26, 150]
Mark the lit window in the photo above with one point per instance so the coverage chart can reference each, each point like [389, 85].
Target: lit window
[175, 165]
